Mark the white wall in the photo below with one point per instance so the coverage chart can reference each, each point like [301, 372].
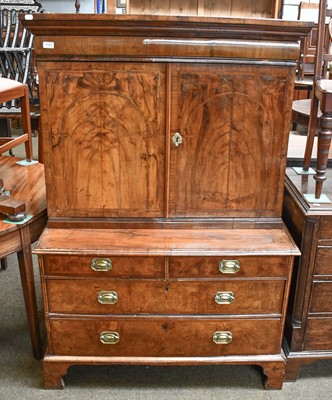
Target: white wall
[67, 6]
[290, 8]
[88, 6]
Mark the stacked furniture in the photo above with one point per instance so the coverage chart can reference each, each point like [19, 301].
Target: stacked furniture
[165, 142]
[207, 8]
[309, 318]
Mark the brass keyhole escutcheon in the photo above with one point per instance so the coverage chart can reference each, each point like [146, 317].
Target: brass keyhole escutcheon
[177, 139]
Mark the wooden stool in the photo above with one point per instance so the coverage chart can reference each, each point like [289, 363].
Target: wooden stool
[9, 90]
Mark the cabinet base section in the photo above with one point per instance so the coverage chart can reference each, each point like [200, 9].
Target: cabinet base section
[55, 367]
[297, 360]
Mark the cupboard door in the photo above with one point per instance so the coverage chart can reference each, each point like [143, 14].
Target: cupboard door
[234, 126]
[106, 139]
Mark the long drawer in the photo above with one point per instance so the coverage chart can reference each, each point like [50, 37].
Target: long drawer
[164, 337]
[161, 297]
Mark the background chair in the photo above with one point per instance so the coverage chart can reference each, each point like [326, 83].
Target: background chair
[16, 60]
[12, 90]
[306, 65]
[322, 97]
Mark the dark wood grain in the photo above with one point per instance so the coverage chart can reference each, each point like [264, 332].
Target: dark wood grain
[324, 261]
[308, 324]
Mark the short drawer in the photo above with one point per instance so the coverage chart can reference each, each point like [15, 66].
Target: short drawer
[164, 337]
[227, 267]
[318, 334]
[324, 261]
[160, 297]
[64, 265]
[326, 228]
[321, 299]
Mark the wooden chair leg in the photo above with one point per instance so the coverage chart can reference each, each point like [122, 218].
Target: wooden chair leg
[311, 133]
[323, 147]
[40, 142]
[26, 122]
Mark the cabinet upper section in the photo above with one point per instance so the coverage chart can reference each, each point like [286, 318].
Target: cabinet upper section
[165, 117]
[83, 36]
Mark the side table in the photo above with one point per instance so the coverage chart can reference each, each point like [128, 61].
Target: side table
[26, 184]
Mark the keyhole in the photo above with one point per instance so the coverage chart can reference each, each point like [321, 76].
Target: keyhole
[177, 139]
[164, 327]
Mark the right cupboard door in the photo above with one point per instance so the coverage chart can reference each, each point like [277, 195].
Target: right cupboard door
[229, 127]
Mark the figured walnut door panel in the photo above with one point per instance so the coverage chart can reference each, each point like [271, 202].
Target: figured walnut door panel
[107, 134]
[234, 123]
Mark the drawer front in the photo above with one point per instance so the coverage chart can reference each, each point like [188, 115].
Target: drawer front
[227, 267]
[324, 261]
[164, 337]
[326, 228]
[318, 334]
[321, 300]
[104, 266]
[158, 297]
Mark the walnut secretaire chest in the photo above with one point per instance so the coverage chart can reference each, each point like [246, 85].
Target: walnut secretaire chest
[165, 142]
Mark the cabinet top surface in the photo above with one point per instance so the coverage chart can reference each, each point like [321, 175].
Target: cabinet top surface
[136, 25]
[167, 242]
[302, 185]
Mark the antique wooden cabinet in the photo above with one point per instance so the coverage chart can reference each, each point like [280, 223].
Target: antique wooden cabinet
[308, 330]
[165, 142]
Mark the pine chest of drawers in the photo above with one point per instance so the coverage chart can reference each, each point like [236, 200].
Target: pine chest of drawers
[165, 142]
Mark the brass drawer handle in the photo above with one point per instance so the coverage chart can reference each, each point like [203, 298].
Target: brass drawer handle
[107, 297]
[101, 264]
[229, 266]
[224, 297]
[109, 337]
[222, 337]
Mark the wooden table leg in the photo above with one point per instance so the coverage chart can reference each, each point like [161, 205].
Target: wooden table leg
[29, 291]
[323, 147]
